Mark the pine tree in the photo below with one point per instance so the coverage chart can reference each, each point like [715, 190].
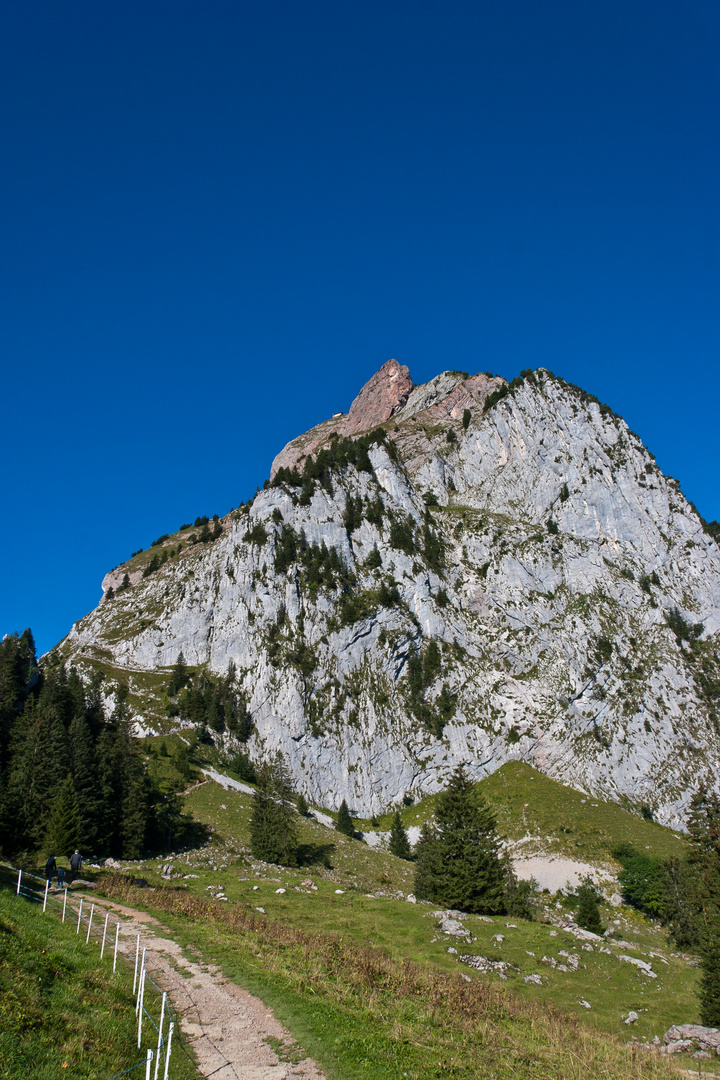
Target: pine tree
[704, 896]
[344, 823]
[587, 915]
[427, 863]
[62, 835]
[179, 677]
[399, 844]
[302, 807]
[273, 829]
[459, 858]
[82, 765]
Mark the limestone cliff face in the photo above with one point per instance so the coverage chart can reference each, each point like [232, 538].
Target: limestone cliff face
[524, 613]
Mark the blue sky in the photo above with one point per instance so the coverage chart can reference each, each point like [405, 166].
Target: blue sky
[219, 219]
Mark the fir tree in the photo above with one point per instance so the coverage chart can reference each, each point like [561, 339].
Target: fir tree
[63, 834]
[704, 898]
[82, 766]
[179, 677]
[273, 829]
[427, 863]
[587, 915]
[459, 858]
[344, 823]
[302, 807]
[399, 844]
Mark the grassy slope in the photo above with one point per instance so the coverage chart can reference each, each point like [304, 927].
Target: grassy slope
[369, 912]
[362, 1013]
[59, 1005]
[556, 818]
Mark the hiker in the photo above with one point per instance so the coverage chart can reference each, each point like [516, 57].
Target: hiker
[75, 865]
[50, 868]
[61, 877]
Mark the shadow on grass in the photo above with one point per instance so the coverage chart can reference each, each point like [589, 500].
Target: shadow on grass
[315, 854]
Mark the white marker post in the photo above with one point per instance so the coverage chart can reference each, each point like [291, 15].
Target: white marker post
[47, 886]
[17, 891]
[137, 955]
[160, 1027]
[149, 1063]
[102, 947]
[117, 933]
[169, 1048]
[79, 916]
[141, 1001]
[92, 909]
[141, 984]
[64, 904]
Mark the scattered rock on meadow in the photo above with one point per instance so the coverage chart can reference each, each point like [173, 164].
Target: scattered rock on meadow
[706, 1038]
[644, 967]
[483, 963]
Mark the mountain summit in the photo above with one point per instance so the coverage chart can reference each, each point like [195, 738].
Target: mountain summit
[463, 572]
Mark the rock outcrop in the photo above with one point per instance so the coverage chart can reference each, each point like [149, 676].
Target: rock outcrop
[682, 1038]
[381, 396]
[500, 572]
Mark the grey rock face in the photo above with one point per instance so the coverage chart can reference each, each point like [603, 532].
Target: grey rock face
[522, 617]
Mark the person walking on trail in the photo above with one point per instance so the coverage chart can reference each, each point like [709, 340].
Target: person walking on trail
[75, 865]
[50, 868]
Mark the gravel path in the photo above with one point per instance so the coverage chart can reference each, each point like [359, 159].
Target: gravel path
[225, 1025]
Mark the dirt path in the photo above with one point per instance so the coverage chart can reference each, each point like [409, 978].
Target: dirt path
[225, 1025]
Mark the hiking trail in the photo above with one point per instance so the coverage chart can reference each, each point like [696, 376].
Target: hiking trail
[226, 1026]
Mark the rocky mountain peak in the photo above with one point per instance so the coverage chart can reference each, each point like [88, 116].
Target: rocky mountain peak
[381, 396]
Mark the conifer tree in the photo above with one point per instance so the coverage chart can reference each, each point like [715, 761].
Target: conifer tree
[427, 863]
[399, 844]
[704, 897]
[302, 807]
[459, 859]
[179, 677]
[273, 829]
[82, 765]
[587, 915]
[344, 823]
[63, 833]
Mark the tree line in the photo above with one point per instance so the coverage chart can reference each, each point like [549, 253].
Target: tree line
[71, 774]
[684, 894]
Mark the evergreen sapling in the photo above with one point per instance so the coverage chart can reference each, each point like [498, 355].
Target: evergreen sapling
[399, 844]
